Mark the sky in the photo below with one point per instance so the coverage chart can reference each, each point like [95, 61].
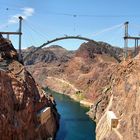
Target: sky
[100, 20]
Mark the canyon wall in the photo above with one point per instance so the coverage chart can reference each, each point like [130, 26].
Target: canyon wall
[75, 73]
[21, 100]
[95, 73]
[122, 96]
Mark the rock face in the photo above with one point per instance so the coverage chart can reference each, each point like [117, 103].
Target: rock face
[21, 99]
[52, 54]
[122, 96]
[76, 71]
[90, 48]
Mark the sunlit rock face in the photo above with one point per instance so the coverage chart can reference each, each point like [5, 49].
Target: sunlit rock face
[122, 96]
[20, 100]
[74, 71]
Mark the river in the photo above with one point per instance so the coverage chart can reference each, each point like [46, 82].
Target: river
[74, 123]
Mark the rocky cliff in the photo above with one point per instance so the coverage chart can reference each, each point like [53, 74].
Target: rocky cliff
[121, 95]
[21, 100]
[52, 54]
[76, 73]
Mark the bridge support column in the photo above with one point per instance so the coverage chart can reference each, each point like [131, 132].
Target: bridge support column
[20, 30]
[126, 40]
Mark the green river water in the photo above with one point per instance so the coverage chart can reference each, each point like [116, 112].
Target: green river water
[74, 123]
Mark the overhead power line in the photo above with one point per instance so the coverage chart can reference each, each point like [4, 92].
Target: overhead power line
[9, 5]
[91, 15]
[9, 9]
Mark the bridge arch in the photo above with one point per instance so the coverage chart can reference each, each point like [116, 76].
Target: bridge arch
[58, 39]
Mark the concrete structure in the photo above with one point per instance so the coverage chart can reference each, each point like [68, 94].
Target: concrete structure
[58, 39]
[112, 119]
[44, 114]
[19, 33]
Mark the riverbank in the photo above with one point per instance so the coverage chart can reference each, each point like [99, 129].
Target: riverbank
[83, 102]
[76, 97]
[74, 123]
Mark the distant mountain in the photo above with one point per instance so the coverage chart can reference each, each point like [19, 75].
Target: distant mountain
[91, 48]
[50, 54]
[57, 53]
[78, 67]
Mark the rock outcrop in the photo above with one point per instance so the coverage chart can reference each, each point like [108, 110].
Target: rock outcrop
[21, 99]
[122, 96]
[52, 54]
[90, 48]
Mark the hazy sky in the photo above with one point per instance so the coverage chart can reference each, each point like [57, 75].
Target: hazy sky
[49, 19]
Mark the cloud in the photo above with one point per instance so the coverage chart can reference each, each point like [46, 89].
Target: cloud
[26, 12]
[14, 19]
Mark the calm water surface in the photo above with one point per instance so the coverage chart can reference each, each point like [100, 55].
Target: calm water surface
[74, 123]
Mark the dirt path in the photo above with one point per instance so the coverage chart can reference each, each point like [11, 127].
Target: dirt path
[63, 81]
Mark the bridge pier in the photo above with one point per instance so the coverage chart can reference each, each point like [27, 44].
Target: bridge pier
[16, 33]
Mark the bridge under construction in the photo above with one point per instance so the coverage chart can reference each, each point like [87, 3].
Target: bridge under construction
[127, 37]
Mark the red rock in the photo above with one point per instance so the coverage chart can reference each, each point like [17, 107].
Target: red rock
[19, 98]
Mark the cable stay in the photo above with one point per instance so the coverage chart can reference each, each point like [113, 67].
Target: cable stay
[29, 37]
[32, 36]
[108, 29]
[31, 26]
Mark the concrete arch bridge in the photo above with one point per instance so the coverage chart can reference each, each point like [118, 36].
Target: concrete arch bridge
[58, 39]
